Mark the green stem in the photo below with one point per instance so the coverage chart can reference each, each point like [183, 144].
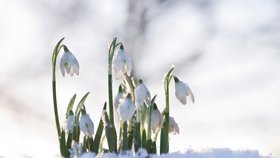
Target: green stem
[125, 142]
[55, 108]
[54, 58]
[164, 144]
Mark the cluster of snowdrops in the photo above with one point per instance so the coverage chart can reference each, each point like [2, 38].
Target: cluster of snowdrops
[139, 117]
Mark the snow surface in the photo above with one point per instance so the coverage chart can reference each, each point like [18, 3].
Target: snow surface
[206, 153]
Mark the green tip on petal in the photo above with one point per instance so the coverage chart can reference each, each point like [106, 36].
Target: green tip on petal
[65, 48]
[121, 47]
[140, 81]
[121, 88]
[176, 79]
[71, 112]
[83, 112]
[128, 95]
[155, 106]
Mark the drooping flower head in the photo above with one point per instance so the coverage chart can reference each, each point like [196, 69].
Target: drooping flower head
[70, 122]
[156, 118]
[126, 109]
[142, 94]
[69, 63]
[173, 126]
[182, 91]
[119, 98]
[86, 125]
[121, 63]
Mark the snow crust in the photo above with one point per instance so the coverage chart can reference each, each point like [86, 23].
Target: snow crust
[206, 153]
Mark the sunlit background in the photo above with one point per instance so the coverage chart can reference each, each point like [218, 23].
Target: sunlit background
[227, 51]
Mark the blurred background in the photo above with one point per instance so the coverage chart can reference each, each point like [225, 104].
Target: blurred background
[227, 51]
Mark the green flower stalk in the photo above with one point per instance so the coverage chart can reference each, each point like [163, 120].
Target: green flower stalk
[164, 141]
[54, 58]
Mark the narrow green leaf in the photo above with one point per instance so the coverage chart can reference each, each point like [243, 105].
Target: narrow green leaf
[164, 141]
[137, 134]
[81, 104]
[70, 105]
[98, 135]
[69, 140]
[153, 99]
[109, 134]
[144, 139]
[76, 132]
[153, 148]
[63, 149]
[125, 141]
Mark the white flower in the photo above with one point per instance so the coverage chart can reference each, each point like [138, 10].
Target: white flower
[121, 63]
[156, 119]
[70, 122]
[142, 94]
[69, 63]
[76, 150]
[86, 125]
[126, 109]
[118, 99]
[88, 155]
[173, 126]
[182, 91]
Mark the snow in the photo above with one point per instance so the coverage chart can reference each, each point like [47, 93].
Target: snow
[190, 153]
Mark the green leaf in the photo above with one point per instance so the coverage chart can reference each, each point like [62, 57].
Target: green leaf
[164, 140]
[63, 149]
[70, 105]
[109, 134]
[144, 139]
[154, 147]
[137, 143]
[125, 141]
[98, 135]
[69, 140]
[81, 104]
[153, 100]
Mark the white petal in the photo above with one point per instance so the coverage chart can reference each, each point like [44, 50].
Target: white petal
[126, 109]
[61, 64]
[190, 93]
[156, 120]
[181, 92]
[118, 99]
[128, 64]
[140, 94]
[70, 122]
[86, 125]
[173, 126]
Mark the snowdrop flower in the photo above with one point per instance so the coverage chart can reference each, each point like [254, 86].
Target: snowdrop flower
[76, 150]
[182, 91]
[173, 126]
[156, 118]
[126, 109]
[121, 63]
[70, 122]
[86, 124]
[69, 63]
[119, 98]
[142, 94]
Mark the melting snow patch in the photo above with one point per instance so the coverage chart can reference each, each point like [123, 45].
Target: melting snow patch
[207, 153]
